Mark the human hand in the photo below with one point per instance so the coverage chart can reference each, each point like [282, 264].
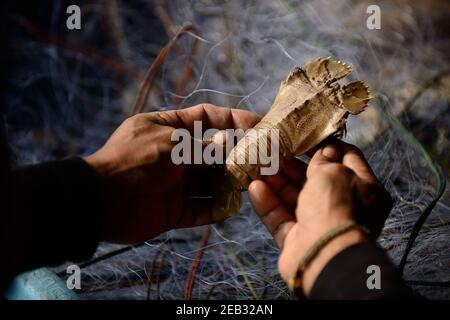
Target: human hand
[143, 192]
[302, 203]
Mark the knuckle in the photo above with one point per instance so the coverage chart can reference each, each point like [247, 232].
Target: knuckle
[137, 126]
[282, 266]
[207, 107]
[137, 117]
[162, 118]
[136, 120]
[336, 170]
[128, 121]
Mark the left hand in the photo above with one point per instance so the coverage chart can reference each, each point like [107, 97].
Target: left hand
[143, 192]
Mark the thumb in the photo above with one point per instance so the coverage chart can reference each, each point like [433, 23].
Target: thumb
[330, 153]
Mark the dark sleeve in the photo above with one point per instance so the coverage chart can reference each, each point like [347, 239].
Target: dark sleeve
[347, 276]
[51, 214]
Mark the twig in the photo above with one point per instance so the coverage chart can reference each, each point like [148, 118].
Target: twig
[150, 275]
[147, 83]
[196, 263]
[210, 292]
[187, 72]
[161, 12]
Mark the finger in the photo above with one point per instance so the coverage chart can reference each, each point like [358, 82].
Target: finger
[200, 196]
[201, 210]
[295, 171]
[277, 219]
[354, 159]
[197, 159]
[283, 188]
[197, 205]
[199, 181]
[330, 153]
[376, 204]
[330, 140]
[211, 117]
[198, 211]
[287, 184]
[202, 154]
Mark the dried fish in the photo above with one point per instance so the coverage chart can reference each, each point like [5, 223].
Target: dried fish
[309, 107]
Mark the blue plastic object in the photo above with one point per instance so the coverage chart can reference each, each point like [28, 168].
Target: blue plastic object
[39, 284]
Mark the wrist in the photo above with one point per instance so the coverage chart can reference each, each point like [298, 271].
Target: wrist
[331, 249]
[97, 164]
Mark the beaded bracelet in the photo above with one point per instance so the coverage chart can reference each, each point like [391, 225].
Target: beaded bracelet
[295, 283]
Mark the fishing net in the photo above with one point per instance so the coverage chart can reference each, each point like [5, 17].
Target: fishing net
[232, 53]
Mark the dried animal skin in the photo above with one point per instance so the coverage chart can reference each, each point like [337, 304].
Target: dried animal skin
[309, 107]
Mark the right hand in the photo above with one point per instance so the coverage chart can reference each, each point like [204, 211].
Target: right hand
[338, 186]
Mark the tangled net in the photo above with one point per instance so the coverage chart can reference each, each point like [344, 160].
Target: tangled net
[231, 53]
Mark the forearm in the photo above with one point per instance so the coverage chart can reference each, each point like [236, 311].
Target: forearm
[332, 249]
[52, 214]
[346, 276]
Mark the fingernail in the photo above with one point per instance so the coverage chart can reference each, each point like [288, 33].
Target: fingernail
[331, 152]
